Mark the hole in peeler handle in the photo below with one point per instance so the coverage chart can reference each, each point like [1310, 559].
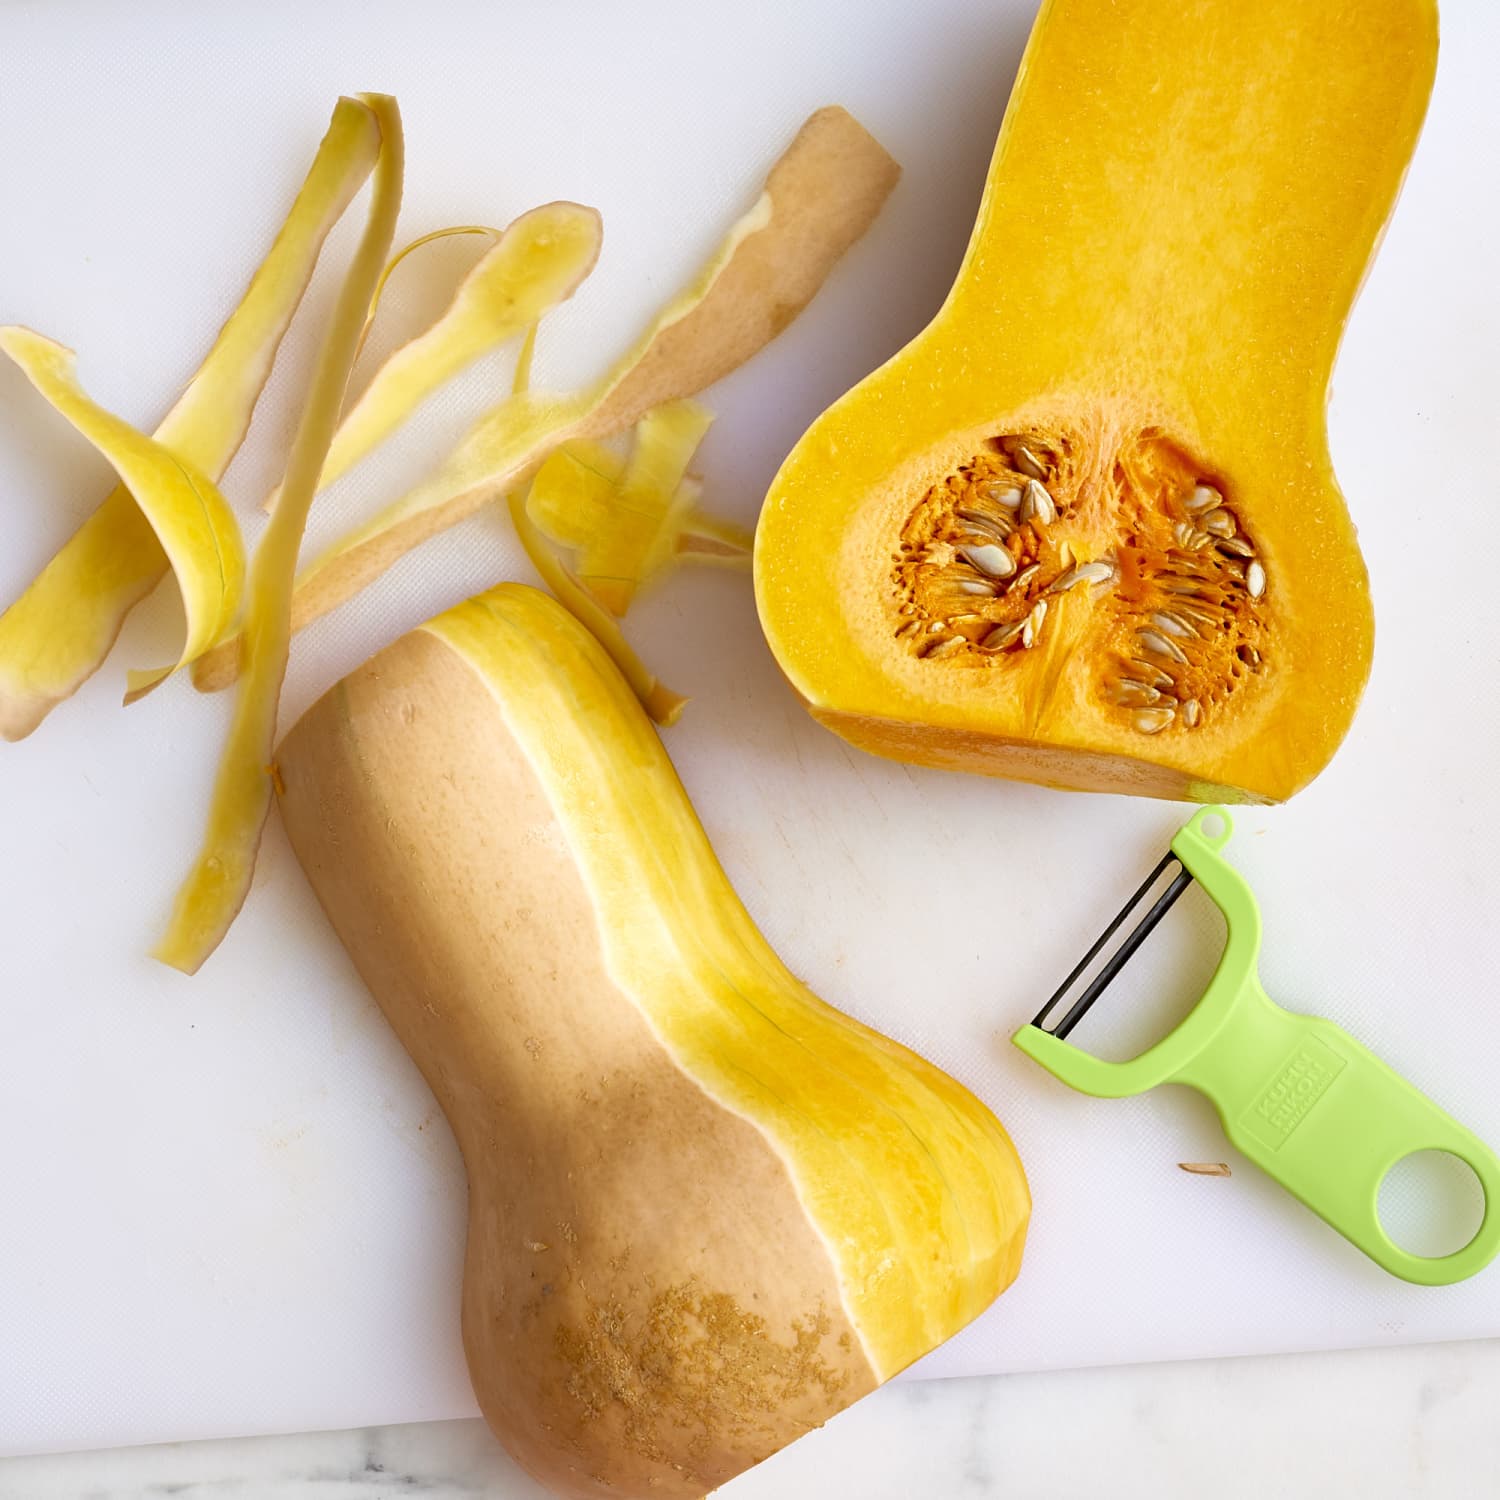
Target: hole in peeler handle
[1213, 825]
[1431, 1204]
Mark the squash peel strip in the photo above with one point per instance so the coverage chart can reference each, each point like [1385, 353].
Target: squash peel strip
[660, 702]
[453, 231]
[189, 518]
[572, 494]
[536, 262]
[711, 542]
[574, 497]
[664, 706]
[821, 195]
[58, 633]
[215, 889]
[630, 530]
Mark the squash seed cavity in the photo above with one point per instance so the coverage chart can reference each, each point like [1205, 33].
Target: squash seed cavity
[1164, 585]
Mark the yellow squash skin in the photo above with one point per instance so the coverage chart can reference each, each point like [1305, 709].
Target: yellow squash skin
[707, 1211]
[1183, 201]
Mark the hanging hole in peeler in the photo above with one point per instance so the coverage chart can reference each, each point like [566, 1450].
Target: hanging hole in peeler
[1431, 1203]
[1212, 826]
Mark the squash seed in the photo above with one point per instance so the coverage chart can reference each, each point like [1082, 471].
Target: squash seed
[1148, 672]
[1172, 624]
[1159, 645]
[1129, 693]
[995, 523]
[1196, 616]
[1089, 572]
[997, 536]
[943, 648]
[1152, 720]
[1028, 463]
[995, 561]
[1189, 588]
[1007, 495]
[1032, 626]
[1037, 504]
[999, 638]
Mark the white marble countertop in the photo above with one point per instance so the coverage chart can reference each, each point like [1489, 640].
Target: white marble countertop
[1416, 1423]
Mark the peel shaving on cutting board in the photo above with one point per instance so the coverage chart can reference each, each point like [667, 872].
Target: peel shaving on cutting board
[629, 529]
[57, 634]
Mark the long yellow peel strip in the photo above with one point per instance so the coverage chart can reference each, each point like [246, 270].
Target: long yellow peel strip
[822, 194]
[215, 889]
[189, 518]
[664, 706]
[55, 636]
[618, 558]
[451, 232]
[535, 263]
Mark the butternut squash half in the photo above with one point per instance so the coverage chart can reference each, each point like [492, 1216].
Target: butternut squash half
[1084, 530]
[706, 1211]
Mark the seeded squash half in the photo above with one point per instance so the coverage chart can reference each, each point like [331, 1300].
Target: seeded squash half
[706, 1210]
[1084, 529]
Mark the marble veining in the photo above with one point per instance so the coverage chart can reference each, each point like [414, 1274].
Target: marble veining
[1413, 1423]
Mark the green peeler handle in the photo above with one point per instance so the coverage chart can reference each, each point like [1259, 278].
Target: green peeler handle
[1328, 1119]
[1297, 1094]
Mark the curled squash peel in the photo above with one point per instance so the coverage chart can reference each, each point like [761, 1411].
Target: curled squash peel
[771, 1208]
[532, 265]
[664, 705]
[216, 887]
[55, 636]
[628, 531]
[193, 525]
[579, 498]
[1084, 529]
[819, 198]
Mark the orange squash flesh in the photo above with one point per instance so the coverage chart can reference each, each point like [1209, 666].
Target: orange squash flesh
[1183, 202]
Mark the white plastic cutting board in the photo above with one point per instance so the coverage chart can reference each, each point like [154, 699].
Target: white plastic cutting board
[228, 1205]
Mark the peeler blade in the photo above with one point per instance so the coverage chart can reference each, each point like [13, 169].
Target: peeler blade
[1167, 882]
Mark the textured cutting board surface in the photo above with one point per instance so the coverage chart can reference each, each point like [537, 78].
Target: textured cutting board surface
[228, 1205]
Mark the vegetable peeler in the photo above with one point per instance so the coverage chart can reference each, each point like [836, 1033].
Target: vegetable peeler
[1295, 1093]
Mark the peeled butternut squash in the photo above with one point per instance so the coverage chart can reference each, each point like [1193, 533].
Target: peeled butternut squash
[706, 1210]
[1084, 529]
